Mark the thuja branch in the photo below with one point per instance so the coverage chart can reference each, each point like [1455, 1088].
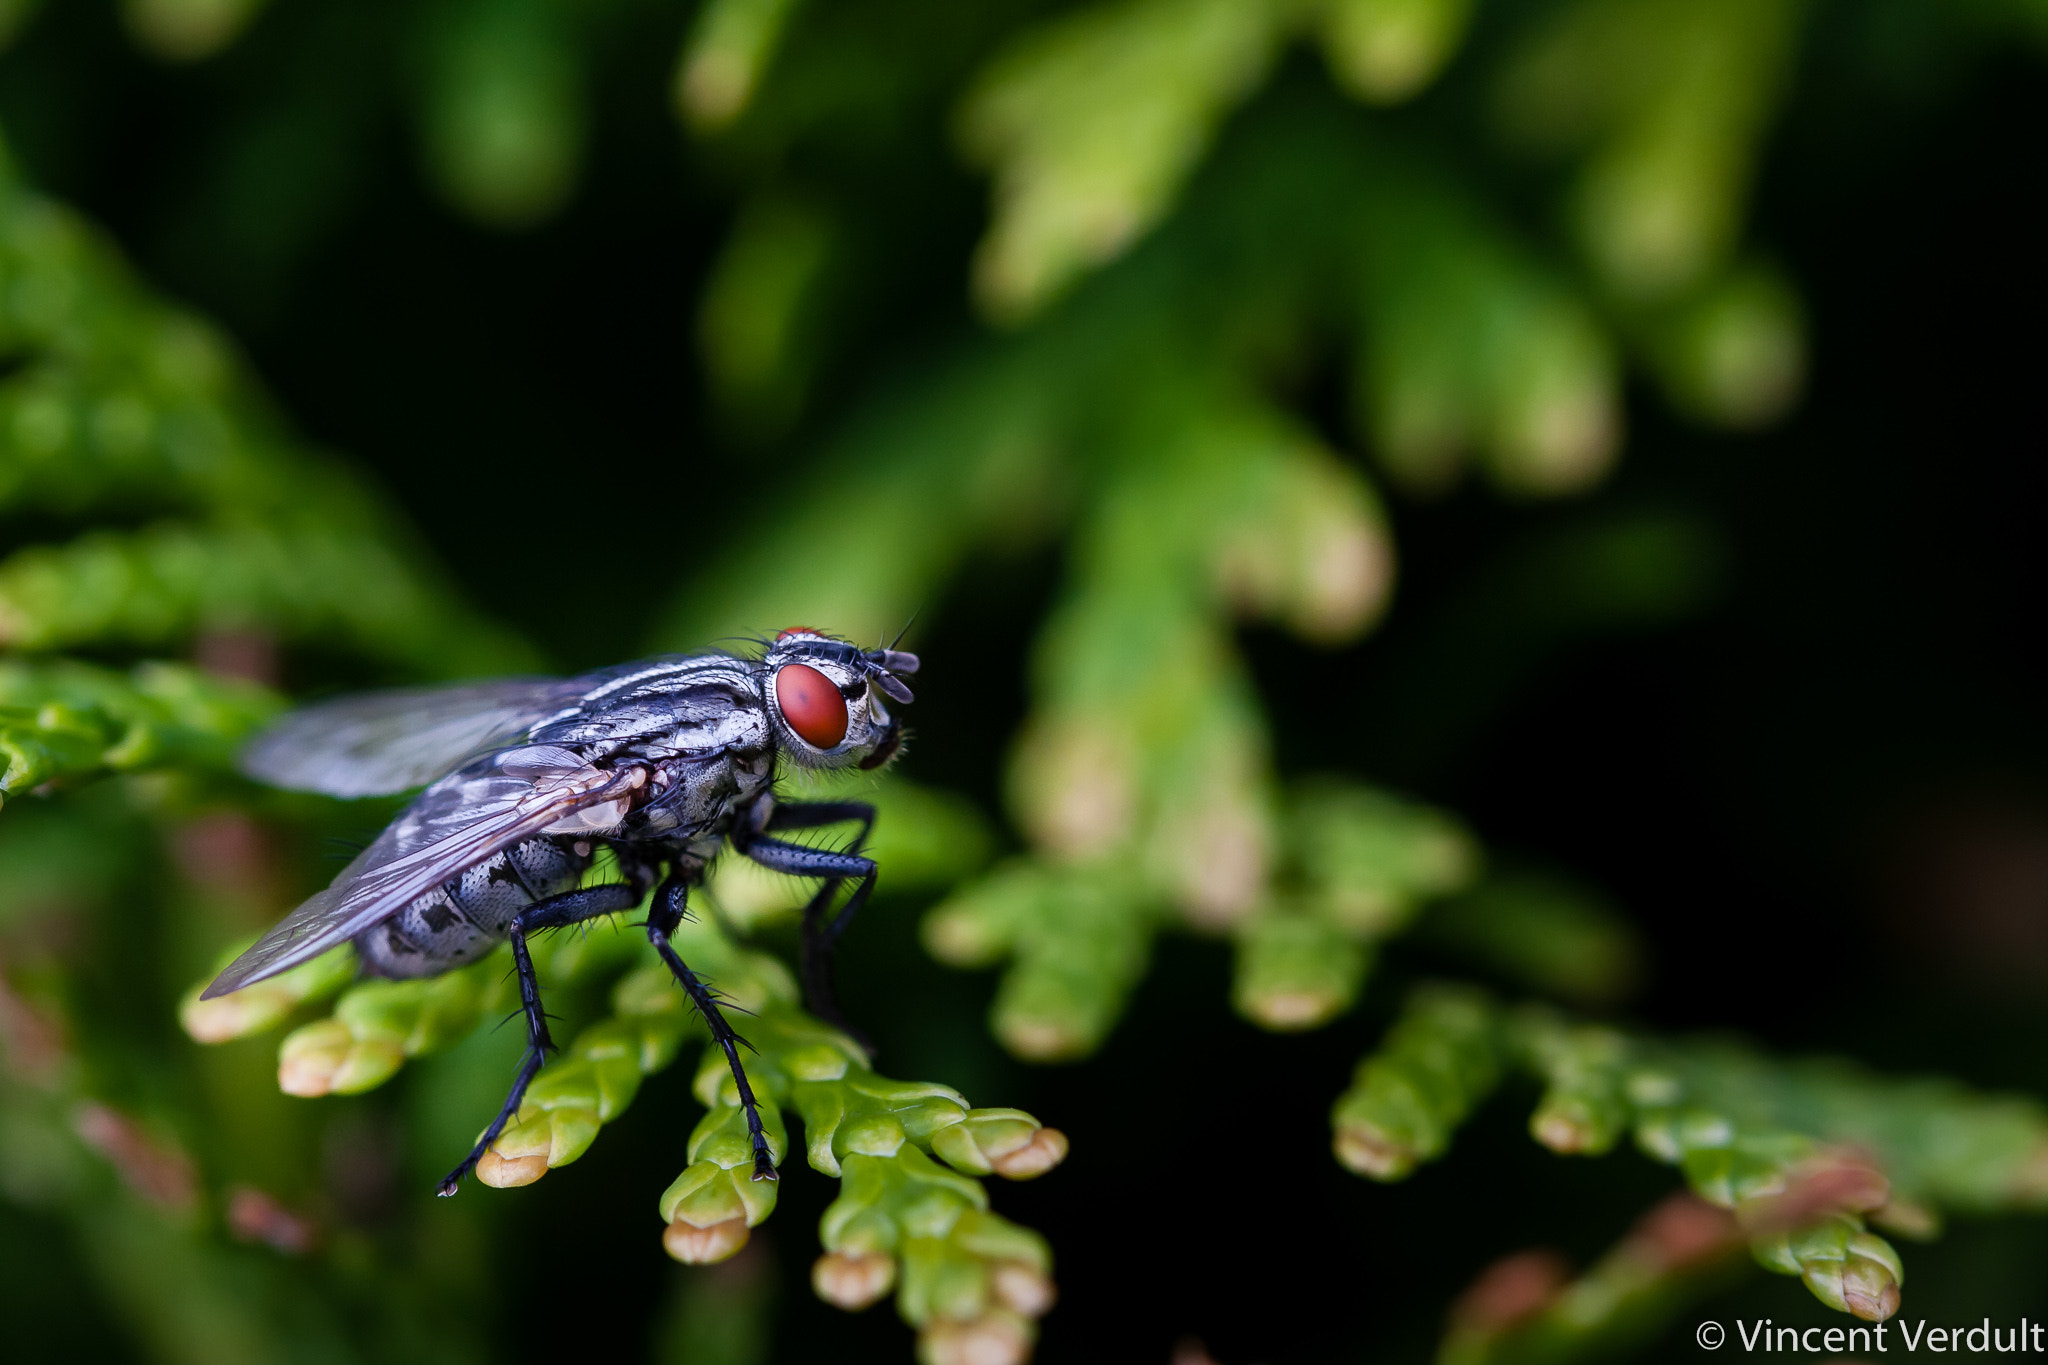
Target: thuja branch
[1807, 1154]
[1354, 867]
[62, 721]
[970, 1281]
[1528, 1309]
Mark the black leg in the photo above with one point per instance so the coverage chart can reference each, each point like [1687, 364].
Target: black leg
[820, 934]
[812, 814]
[662, 919]
[819, 937]
[571, 907]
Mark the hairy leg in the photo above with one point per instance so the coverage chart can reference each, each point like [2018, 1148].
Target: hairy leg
[820, 934]
[571, 907]
[662, 918]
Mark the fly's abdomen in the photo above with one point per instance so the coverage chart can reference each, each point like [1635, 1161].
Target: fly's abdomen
[465, 919]
[491, 893]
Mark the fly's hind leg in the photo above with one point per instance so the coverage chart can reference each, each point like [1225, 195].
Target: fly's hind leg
[662, 918]
[821, 935]
[571, 907]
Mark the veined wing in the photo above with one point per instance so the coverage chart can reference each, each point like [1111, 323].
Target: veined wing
[457, 823]
[382, 742]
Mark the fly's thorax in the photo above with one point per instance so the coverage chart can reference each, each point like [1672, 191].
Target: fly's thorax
[675, 708]
[698, 795]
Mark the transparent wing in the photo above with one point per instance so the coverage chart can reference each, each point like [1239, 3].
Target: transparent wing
[383, 742]
[457, 823]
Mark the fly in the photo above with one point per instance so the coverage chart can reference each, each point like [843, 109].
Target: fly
[665, 762]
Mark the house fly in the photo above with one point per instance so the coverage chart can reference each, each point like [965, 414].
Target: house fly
[665, 762]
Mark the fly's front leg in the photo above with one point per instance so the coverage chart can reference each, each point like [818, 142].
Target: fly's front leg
[571, 907]
[814, 814]
[820, 934]
[662, 918]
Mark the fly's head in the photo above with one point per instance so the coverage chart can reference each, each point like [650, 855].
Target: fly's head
[830, 699]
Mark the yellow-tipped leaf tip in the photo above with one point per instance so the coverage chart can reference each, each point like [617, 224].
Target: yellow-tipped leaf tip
[1292, 1011]
[853, 1280]
[995, 1338]
[1046, 1149]
[693, 1245]
[1023, 1288]
[509, 1172]
[1369, 1152]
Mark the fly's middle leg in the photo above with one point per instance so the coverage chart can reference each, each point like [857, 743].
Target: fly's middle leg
[571, 907]
[662, 918]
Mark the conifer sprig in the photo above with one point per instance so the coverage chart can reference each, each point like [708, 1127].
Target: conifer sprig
[967, 1279]
[64, 721]
[1805, 1154]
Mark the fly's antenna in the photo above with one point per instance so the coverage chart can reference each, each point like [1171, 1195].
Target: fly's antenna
[890, 647]
[885, 663]
[888, 659]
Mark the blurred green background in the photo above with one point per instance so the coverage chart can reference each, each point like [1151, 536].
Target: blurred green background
[1605, 422]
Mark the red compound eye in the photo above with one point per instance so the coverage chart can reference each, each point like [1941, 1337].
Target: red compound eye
[811, 705]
